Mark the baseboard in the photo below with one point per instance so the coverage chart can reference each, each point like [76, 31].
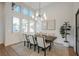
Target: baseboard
[58, 43]
[63, 45]
[1, 43]
[14, 43]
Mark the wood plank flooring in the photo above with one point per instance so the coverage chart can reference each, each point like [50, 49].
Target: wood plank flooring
[21, 50]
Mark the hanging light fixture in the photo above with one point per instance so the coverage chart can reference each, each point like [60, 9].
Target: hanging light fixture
[40, 16]
[13, 4]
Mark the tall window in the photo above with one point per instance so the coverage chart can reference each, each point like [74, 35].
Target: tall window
[31, 28]
[16, 24]
[24, 25]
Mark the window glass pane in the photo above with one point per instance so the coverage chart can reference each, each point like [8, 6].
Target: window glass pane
[31, 26]
[17, 8]
[24, 25]
[16, 24]
[30, 13]
[25, 11]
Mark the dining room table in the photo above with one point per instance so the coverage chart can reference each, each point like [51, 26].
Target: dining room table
[48, 38]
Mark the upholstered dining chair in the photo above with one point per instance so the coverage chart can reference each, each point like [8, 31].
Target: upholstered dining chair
[32, 41]
[41, 43]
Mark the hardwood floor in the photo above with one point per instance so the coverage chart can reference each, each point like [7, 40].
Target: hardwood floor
[21, 50]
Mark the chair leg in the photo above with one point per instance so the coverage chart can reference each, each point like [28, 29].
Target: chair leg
[38, 49]
[34, 47]
[49, 48]
[24, 43]
[30, 46]
[44, 52]
[27, 44]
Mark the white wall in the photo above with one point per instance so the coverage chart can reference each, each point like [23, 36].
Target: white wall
[61, 12]
[2, 34]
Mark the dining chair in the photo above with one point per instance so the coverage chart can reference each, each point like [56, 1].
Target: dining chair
[27, 40]
[41, 43]
[32, 41]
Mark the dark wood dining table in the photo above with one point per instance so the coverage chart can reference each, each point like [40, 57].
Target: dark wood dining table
[48, 38]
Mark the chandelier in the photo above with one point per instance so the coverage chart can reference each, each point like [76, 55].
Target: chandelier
[39, 15]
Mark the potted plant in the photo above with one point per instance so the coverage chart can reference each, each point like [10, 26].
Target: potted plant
[64, 30]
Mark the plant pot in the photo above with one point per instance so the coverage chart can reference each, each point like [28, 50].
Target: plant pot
[66, 44]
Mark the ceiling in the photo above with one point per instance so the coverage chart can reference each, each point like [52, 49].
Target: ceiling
[35, 5]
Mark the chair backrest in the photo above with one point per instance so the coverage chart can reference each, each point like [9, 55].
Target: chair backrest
[26, 37]
[41, 41]
[31, 39]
